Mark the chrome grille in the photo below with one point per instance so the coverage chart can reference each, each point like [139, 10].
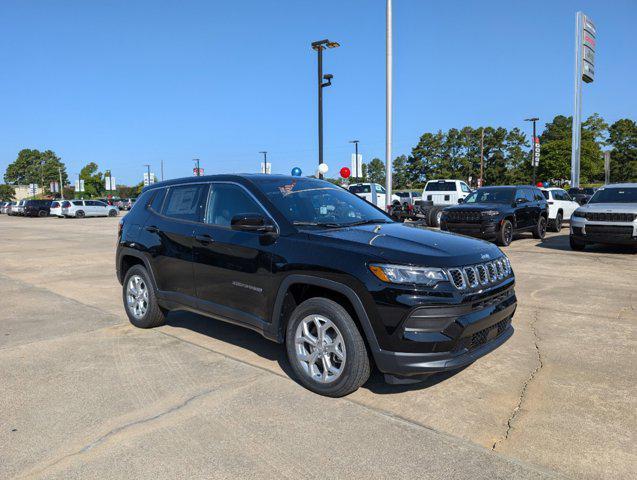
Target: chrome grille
[471, 276]
[483, 274]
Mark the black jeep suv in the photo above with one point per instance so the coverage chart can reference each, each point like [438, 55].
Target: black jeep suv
[37, 208]
[311, 265]
[496, 213]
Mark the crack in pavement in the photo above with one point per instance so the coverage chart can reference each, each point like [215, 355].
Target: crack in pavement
[525, 387]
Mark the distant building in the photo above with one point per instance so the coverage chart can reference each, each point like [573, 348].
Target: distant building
[22, 192]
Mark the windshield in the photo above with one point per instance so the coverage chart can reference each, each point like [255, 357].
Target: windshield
[615, 195]
[491, 195]
[311, 202]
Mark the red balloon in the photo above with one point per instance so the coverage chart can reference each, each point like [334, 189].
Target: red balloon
[345, 172]
[540, 184]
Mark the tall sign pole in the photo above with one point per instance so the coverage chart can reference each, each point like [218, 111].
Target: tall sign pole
[388, 107]
[585, 45]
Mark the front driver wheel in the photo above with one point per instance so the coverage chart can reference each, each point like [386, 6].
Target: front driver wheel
[575, 244]
[505, 236]
[557, 223]
[140, 301]
[112, 213]
[325, 348]
[540, 229]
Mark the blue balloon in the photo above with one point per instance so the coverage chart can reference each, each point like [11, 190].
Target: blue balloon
[296, 172]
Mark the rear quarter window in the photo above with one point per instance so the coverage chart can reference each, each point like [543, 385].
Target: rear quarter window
[440, 187]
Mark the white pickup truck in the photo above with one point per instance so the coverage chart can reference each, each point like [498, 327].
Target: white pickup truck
[373, 193]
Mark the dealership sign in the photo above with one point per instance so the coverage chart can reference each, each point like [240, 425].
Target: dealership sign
[589, 44]
[536, 152]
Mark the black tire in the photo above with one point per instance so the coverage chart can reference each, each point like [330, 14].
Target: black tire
[539, 231]
[356, 367]
[505, 235]
[154, 315]
[112, 213]
[576, 244]
[432, 217]
[42, 213]
[556, 225]
[79, 214]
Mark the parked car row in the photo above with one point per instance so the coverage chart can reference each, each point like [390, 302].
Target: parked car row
[59, 208]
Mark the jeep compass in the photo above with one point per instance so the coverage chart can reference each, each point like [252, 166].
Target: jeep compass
[311, 265]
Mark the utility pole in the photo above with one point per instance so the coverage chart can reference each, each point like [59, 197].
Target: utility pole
[388, 106]
[61, 184]
[481, 181]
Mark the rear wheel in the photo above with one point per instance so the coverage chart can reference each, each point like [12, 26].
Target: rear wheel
[540, 228]
[557, 223]
[112, 213]
[576, 244]
[80, 214]
[433, 219]
[140, 301]
[42, 213]
[325, 348]
[505, 235]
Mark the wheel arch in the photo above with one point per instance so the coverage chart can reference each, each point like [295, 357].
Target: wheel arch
[127, 258]
[296, 288]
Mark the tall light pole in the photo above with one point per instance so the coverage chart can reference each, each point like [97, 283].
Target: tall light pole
[481, 180]
[265, 161]
[533, 119]
[355, 142]
[196, 160]
[388, 105]
[319, 46]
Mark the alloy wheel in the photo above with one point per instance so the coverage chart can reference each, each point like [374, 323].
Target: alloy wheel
[320, 348]
[508, 233]
[137, 296]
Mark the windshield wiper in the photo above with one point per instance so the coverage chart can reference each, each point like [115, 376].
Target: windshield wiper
[316, 224]
[366, 222]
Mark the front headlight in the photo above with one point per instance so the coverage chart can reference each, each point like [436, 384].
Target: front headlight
[490, 213]
[404, 274]
[579, 214]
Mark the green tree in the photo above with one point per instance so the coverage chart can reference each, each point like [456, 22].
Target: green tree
[426, 157]
[93, 180]
[376, 171]
[7, 193]
[33, 166]
[400, 172]
[623, 157]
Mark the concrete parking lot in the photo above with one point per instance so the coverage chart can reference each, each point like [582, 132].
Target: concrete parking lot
[85, 395]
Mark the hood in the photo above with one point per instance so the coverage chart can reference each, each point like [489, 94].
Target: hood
[609, 207]
[406, 245]
[478, 206]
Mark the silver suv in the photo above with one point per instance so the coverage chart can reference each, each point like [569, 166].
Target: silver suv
[610, 217]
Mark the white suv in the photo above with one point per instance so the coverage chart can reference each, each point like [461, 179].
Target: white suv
[561, 207]
[88, 208]
[445, 192]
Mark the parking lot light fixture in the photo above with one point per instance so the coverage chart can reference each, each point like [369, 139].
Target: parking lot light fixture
[319, 46]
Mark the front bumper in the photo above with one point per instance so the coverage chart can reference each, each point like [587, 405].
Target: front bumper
[487, 229]
[476, 328]
[622, 233]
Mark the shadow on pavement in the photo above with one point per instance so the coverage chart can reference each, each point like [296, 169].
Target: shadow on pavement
[252, 341]
[561, 242]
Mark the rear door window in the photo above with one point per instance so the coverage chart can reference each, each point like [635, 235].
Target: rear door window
[186, 202]
[78, 204]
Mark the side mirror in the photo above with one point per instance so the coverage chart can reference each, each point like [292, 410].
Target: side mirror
[251, 222]
[461, 200]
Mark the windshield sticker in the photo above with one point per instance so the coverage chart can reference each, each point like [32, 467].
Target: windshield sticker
[287, 189]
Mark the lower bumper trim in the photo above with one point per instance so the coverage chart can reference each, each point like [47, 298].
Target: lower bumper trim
[408, 364]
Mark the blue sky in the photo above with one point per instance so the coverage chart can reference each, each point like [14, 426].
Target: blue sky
[124, 82]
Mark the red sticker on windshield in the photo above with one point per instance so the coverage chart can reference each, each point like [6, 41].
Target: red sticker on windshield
[287, 189]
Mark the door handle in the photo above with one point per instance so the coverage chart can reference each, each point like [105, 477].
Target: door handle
[205, 238]
[152, 229]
